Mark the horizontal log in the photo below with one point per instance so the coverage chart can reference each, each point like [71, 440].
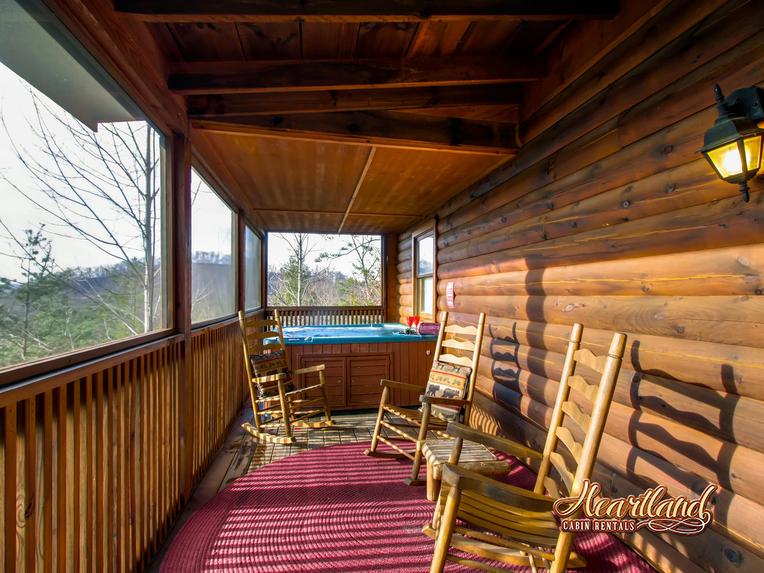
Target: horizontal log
[679, 82]
[534, 372]
[189, 78]
[576, 142]
[717, 367]
[609, 166]
[736, 516]
[200, 106]
[391, 129]
[584, 46]
[729, 271]
[682, 447]
[686, 186]
[722, 223]
[558, 200]
[716, 550]
[721, 319]
[675, 30]
[362, 11]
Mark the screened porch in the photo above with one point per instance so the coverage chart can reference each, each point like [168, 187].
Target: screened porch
[243, 244]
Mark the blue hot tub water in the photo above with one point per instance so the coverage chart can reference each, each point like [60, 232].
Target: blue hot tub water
[350, 333]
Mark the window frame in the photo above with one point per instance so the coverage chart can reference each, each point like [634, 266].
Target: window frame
[203, 173]
[429, 229]
[261, 239]
[48, 367]
[266, 304]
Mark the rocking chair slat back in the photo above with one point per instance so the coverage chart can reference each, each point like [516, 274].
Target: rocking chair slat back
[457, 345]
[570, 452]
[275, 401]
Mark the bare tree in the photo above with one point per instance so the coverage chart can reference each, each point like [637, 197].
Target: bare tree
[295, 280]
[101, 187]
[365, 252]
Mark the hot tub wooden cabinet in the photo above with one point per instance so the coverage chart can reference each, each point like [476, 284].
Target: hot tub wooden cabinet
[358, 357]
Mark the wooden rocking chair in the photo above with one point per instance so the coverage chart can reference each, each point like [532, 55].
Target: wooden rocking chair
[276, 400]
[513, 525]
[447, 397]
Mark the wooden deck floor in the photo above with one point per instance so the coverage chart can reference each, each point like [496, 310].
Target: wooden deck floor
[241, 453]
[250, 454]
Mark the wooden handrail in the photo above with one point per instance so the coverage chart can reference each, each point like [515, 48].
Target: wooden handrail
[114, 440]
[22, 390]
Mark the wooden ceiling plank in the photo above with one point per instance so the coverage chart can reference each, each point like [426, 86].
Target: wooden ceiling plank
[358, 185]
[334, 212]
[352, 100]
[388, 129]
[189, 78]
[363, 11]
[494, 112]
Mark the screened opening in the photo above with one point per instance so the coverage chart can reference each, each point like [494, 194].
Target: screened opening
[252, 269]
[82, 176]
[213, 274]
[324, 270]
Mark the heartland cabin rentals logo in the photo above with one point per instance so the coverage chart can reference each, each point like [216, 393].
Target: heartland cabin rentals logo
[654, 509]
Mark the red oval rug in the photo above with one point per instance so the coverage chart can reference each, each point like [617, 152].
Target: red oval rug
[335, 510]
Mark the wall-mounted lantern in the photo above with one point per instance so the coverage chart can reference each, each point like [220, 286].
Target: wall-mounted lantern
[733, 144]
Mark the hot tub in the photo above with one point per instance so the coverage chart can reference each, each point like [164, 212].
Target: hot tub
[358, 356]
[351, 333]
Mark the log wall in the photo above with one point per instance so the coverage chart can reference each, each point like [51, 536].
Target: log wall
[609, 216]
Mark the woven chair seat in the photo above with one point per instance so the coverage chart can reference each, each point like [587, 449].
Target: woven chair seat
[475, 457]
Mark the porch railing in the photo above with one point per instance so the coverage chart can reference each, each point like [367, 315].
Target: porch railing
[327, 315]
[97, 459]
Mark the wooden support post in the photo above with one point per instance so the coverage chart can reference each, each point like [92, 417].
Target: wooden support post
[390, 298]
[241, 279]
[264, 273]
[180, 156]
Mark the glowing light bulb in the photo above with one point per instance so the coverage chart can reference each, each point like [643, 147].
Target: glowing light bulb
[731, 161]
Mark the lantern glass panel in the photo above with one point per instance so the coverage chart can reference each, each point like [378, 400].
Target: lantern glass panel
[753, 152]
[726, 159]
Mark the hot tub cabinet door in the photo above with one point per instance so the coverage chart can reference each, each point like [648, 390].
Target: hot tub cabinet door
[364, 373]
[334, 375]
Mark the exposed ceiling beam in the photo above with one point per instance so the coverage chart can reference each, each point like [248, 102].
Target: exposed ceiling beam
[389, 129]
[359, 183]
[352, 100]
[363, 10]
[321, 75]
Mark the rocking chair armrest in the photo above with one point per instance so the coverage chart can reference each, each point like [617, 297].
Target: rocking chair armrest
[464, 479]
[440, 400]
[309, 369]
[496, 442]
[400, 385]
[303, 390]
[270, 378]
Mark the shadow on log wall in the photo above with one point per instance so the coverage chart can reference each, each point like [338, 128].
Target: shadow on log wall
[609, 217]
